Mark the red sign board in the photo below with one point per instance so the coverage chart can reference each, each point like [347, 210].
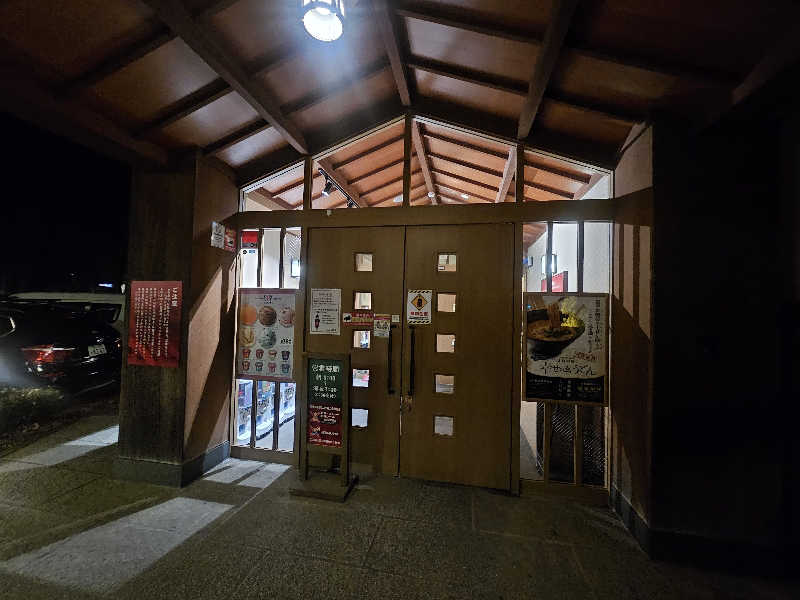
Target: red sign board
[249, 239]
[559, 282]
[325, 425]
[154, 328]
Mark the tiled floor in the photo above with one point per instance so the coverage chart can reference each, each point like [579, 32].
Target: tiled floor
[69, 531]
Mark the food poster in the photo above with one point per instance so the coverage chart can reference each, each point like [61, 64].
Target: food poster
[154, 326]
[566, 347]
[323, 315]
[266, 334]
[325, 392]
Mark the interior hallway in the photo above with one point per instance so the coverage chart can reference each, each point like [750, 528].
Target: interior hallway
[67, 530]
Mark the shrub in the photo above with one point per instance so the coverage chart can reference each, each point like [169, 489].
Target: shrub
[24, 406]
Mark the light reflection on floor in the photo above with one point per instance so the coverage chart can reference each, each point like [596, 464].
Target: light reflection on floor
[249, 473]
[107, 556]
[62, 452]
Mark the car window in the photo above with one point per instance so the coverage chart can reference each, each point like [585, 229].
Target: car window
[6, 325]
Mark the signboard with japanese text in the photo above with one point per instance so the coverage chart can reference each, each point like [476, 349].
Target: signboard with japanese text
[326, 381]
[154, 326]
[323, 314]
[382, 323]
[418, 307]
[566, 347]
[358, 318]
[265, 342]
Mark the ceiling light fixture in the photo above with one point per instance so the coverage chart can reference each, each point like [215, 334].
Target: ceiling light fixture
[465, 196]
[323, 19]
[326, 191]
[397, 200]
[431, 194]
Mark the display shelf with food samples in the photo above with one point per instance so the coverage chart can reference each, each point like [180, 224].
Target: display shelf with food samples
[265, 342]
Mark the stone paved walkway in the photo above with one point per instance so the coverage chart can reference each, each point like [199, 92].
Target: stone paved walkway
[68, 530]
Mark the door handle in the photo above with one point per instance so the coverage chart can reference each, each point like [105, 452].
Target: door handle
[389, 386]
[413, 363]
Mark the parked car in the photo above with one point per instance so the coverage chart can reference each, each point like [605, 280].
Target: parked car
[113, 305]
[50, 343]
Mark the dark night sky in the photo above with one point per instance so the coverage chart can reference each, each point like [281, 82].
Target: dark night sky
[65, 210]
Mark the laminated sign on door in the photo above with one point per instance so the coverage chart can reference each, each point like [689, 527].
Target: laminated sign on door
[418, 307]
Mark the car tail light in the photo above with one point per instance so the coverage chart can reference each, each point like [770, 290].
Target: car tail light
[49, 354]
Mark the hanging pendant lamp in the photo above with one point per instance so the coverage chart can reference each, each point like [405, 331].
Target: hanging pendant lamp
[323, 19]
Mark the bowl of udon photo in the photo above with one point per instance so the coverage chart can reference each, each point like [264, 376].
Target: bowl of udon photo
[552, 329]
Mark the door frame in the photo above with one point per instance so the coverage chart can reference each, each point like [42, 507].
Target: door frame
[508, 212]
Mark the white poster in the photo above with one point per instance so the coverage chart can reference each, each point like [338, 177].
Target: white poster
[567, 347]
[381, 325]
[265, 347]
[217, 235]
[323, 316]
[418, 307]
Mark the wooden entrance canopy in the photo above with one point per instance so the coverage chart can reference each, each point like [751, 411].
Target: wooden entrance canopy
[242, 81]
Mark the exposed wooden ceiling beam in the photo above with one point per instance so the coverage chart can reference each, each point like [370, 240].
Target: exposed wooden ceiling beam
[214, 7]
[474, 182]
[549, 190]
[508, 175]
[375, 171]
[468, 23]
[269, 200]
[458, 191]
[327, 165]
[422, 157]
[452, 198]
[467, 165]
[382, 200]
[116, 62]
[296, 185]
[186, 106]
[557, 28]
[386, 184]
[581, 191]
[175, 15]
[251, 129]
[783, 53]
[388, 33]
[517, 88]
[368, 151]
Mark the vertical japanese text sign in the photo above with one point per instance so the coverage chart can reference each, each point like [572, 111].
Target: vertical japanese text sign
[154, 326]
[326, 380]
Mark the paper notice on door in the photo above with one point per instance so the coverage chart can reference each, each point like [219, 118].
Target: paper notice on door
[418, 307]
[323, 316]
[381, 325]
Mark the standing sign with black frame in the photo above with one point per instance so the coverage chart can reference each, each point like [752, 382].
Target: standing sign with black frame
[326, 423]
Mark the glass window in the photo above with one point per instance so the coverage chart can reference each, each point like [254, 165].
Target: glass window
[265, 414]
[244, 404]
[443, 426]
[565, 247]
[446, 263]
[360, 417]
[286, 417]
[361, 339]
[445, 342]
[444, 384]
[446, 302]
[270, 257]
[534, 237]
[596, 255]
[363, 261]
[291, 258]
[362, 301]
[361, 378]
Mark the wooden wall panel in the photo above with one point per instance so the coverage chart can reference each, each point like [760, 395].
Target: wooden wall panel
[152, 399]
[211, 307]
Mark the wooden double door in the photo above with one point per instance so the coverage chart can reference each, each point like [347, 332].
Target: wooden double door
[436, 401]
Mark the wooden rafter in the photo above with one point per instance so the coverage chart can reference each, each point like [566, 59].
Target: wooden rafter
[187, 105]
[175, 15]
[389, 35]
[422, 157]
[117, 62]
[269, 200]
[386, 184]
[327, 165]
[460, 21]
[546, 59]
[517, 88]
[253, 128]
[467, 165]
[375, 171]
[508, 175]
[458, 191]
[368, 151]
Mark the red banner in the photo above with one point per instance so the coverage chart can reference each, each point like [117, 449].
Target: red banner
[559, 282]
[154, 326]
